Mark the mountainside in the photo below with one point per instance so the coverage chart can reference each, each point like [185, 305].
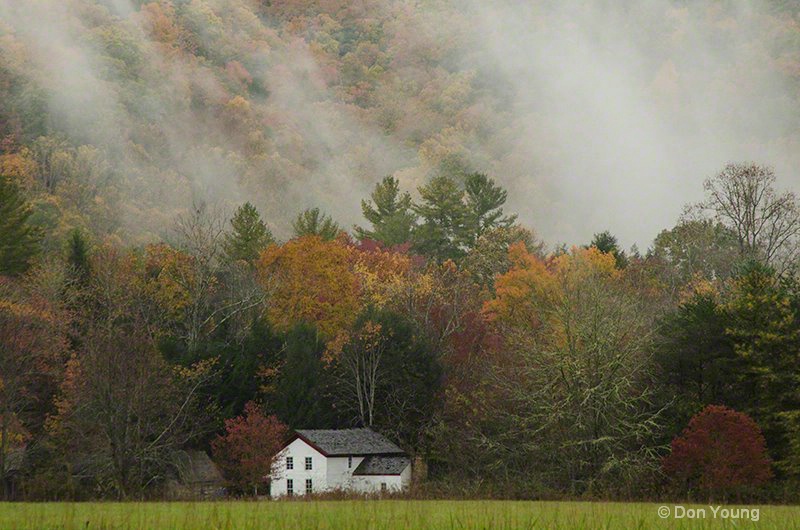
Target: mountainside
[117, 114]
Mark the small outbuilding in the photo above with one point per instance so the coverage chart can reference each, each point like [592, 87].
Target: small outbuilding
[350, 460]
[196, 477]
[14, 463]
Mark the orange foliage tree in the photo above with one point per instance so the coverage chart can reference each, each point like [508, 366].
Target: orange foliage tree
[527, 281]
[532, 285]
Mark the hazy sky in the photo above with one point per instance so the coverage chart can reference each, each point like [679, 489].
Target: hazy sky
[627, 106]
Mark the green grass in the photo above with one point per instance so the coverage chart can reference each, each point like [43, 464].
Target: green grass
[372, 515]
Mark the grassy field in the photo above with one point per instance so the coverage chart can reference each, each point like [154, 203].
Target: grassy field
[373, 515]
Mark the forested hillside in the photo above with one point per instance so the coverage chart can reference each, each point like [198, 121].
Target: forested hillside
[221, 220]
[117, 114]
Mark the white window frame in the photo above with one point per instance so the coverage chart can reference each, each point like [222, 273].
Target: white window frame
[289, 462]
[309, 465]
[289, 487]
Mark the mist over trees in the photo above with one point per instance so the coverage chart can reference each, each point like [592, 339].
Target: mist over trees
[118, 114]
[457, 223]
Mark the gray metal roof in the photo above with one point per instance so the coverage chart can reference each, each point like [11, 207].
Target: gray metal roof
[343, 442]
[382, 465]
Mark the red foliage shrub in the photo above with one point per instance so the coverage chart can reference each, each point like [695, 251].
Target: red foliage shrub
[719, 450]
[246, 452]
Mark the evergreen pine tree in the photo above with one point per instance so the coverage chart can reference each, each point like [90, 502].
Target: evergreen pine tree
[764, 329]
[607, 243]
[312, 222]
[78, 256]
[390, 214]
[249, 236]
[19, 240]
[443, 219]
[299, 394]
[484, 208]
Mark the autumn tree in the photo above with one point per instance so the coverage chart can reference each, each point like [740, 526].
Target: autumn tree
[390, 214]
[33, 350]
[313, 222]
[247, 449]
[249, 235]
[578, 368]
[766, 222]
[439, 300]
[719, 451]
[122, 410]
[184, 291]
[490, 257]
[192, 266]
[694, 248]
[522, 290]
[311, 280]
[192, 280]
[383, 273]
[19, 239]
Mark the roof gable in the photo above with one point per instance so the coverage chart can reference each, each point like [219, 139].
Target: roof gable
[347, 442]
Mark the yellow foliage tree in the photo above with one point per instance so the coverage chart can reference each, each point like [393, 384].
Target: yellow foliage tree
[382, 274]
[310, 280]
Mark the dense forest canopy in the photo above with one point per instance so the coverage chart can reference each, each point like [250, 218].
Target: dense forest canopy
[221, 220]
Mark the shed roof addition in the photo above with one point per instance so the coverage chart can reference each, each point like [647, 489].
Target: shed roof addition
[382, 465]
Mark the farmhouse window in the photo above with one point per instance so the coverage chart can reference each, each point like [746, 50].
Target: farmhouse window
[308, 463]
[289, 462]
[383, 487]
[349, 462]
[289, 487]
[309, 486]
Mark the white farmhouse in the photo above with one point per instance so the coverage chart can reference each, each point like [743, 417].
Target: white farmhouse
[355, 460]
